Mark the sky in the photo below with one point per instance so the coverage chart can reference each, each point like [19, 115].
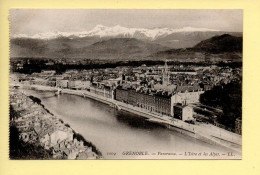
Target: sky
[33, 21]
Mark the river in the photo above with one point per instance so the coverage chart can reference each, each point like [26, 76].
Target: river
[116, 133]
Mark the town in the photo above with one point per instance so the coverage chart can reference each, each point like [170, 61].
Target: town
[170, 90]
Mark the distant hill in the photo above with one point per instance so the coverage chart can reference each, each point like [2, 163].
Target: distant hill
[220, 44]
[53, 48]
[122, 48]
[189, 39]
[218, 47]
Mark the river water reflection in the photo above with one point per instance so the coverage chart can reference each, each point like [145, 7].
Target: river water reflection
[114, 133]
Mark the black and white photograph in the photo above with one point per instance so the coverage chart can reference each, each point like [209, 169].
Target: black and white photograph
[132, 84]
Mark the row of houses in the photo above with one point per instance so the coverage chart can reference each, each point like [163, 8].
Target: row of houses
[163, 103]
[73, 84]
[154, 103]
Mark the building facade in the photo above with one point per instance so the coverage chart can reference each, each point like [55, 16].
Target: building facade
[183, 112]
[102, 90]
[154, 103]
[62, 83]
[187, 94]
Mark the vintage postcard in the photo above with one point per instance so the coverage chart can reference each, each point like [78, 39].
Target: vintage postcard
[125, 84]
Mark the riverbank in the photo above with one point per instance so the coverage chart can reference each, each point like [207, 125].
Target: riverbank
[39, 128]
[204, 132]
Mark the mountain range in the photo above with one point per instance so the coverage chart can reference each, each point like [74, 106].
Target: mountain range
[114, 42]
[116, 31]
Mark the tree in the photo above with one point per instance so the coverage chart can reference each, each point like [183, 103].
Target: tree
[227, 97]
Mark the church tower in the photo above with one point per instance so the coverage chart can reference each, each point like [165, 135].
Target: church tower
[165, 75]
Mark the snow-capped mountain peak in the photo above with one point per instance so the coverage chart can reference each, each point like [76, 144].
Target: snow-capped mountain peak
[103, 31]
[99, 27]
[115, 31]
